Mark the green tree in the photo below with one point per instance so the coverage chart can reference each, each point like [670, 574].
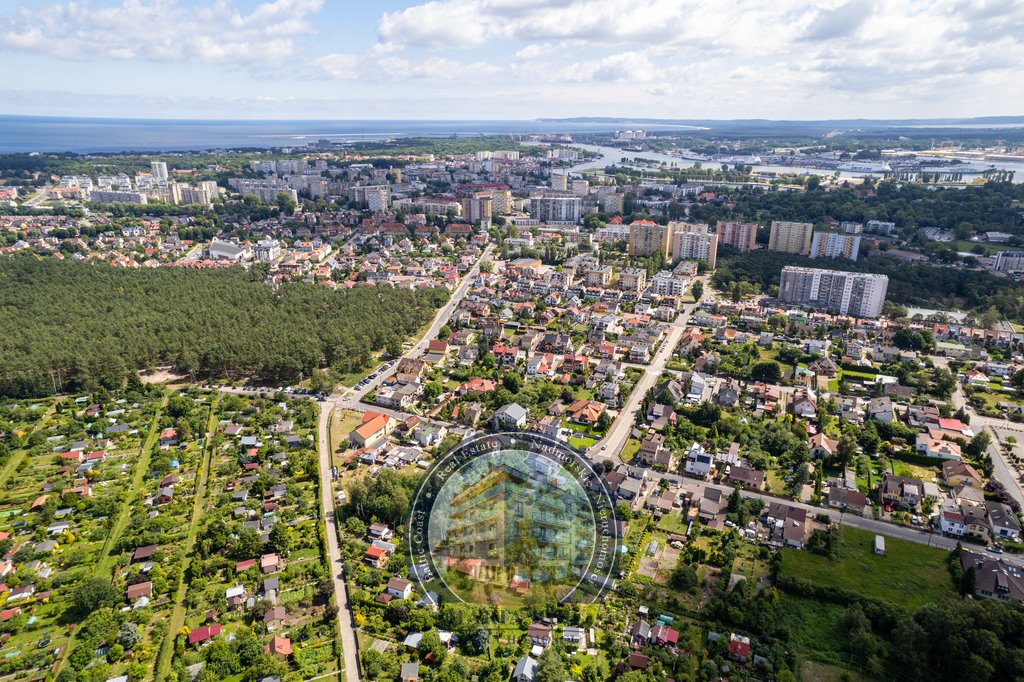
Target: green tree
[697, 290]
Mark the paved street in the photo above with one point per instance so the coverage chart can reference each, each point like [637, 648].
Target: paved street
[348, 635]
[615, 439]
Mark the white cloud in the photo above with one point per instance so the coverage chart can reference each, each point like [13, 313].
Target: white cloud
[627, 66]
[160, 31]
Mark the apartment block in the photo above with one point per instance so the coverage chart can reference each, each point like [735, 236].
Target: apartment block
[740, 236]
[834, 291]
[835, 245]
[647, 238]
[693, 241]
[790, 237]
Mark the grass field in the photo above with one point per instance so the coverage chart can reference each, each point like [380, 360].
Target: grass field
[909, 574]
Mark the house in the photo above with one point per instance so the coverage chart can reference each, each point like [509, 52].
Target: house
[880, 409]
[280, 647]
[539, 634]
[900, 490]
[952, 520]
[638, 661]
[938, 448]
[956, 427]
[525, 671]
[573, 635]
[653, 451]
[428, 435]
[640, 633]
[995, 578]
[274, 618]
[1004, 523]
[976, 522]
[511, 417]
[957, 473]
[410, 672]
[852, 501]
[271, 563]
[822, 447]
[739, 647]
[381, 531]
[745, 477]
[804, 404]
[139, 590]
[375, 426]
[586, 412]
[376, 557]
[399, 588]
[698, 461]
[662, 635]
[203, 634]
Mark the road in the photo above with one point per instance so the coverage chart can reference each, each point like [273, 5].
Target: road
[1002, 469]
[615, 439]
[440, 320]
[347, 627]
[349, 399]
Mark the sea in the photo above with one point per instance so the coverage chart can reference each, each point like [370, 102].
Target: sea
[107, 135]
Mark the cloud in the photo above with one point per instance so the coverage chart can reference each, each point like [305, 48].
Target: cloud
[627, 66]
[160, 31]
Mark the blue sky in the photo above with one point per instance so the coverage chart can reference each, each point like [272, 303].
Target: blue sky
[512, 59]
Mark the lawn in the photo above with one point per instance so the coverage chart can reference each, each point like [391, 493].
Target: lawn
[674, 522]
[342, 424]
[630, 449]
[817, 626]
[908, 575]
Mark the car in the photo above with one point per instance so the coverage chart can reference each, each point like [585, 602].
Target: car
[604, 447]
[995, 549]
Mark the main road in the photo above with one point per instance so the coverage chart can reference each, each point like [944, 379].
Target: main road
[618, 433]
[350, 399]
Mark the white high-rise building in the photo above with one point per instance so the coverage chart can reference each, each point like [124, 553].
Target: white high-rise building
[159, 170]
[835, 245]
[556, 209]
[834, 291]
[693, 241]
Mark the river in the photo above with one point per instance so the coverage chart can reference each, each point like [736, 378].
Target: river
[612, 155]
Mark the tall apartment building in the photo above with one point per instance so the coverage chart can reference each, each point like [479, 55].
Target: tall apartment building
[581, 188]
[693, 241]
[159, 170]
[477, 208]
[106, 196]
[790, 237]
[556, 209]
[835, 245]
[665, 283]
[740, 236]
[881, 226]
[559, 181]
[834, 291]
[610, 198]
[647, 237]
[1010, 261]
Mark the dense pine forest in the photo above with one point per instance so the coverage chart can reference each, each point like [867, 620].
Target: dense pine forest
[71, 326]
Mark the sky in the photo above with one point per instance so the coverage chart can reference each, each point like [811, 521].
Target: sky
[512, 59]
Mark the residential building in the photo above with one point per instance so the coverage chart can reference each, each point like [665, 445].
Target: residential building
[698, 461]
[834, 291]
[835, 245]
[633, 280]
[665, 283]
[790, 237]
[740, 236]
[159, 170]
[995, 578]
[556, 209]
[693, 241]
[647, 238]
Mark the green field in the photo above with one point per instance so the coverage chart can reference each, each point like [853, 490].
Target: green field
[908, 575]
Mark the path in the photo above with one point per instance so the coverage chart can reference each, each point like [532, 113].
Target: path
[347, 627]
[178, 614]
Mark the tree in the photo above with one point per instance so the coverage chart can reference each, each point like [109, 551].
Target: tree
[978, 445]
[550, 667]
[431, 644]
[847, 448]
[128, 636]
[969, 581]
[767, 371]
[280, 539]
[91, 594]
[697, 290]
[684, 577]
[735, 500]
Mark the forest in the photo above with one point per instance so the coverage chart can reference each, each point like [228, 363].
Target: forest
[71, 326]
